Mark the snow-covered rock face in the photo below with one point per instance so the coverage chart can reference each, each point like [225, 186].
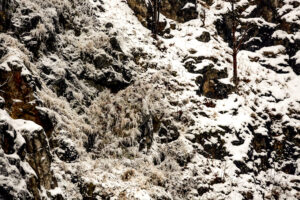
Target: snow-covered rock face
[92, 107]
[274, 23]
[181, 11]
[25, 159]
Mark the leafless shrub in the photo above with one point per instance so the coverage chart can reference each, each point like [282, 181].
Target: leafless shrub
[127, 175]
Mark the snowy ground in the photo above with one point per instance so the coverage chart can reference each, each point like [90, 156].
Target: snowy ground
[167, 179]
[163, 87]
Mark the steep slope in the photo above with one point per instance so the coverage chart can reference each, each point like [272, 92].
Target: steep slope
[92, 107]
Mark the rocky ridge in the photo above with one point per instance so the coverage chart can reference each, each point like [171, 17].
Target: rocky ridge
[92, 107]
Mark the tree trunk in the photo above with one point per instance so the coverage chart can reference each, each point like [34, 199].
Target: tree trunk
[234, 48]
[155, 18]
[235, 77]
[158, 11]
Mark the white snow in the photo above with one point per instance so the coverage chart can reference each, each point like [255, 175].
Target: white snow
[188, 6]
[297, 57]
[161, 78]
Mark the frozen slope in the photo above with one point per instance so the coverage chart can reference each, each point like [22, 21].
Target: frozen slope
[144, 131]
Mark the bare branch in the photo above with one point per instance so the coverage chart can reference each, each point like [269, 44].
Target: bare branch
[243, 38]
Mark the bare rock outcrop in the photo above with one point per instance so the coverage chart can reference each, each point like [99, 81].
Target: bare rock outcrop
[181, 11]
[26, 159]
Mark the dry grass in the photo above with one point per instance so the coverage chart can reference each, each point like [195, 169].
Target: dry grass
[127, 175]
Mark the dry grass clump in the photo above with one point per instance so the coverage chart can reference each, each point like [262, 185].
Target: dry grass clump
[121, 114]
[157, 179]
[128, 174]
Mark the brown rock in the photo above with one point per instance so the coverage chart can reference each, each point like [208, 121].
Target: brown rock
[169, 8]
[19, 96]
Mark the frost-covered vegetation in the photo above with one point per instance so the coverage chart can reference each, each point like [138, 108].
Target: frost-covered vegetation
[92, 106]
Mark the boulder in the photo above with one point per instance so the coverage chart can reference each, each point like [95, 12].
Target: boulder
[87, 190]
[102, 61]
[244, 169]
[204, 37]
[66, 151]
[60, 86]
[212, 150]
[210, 85]
[109, 25]
[7, 138]
[289, 168]
[113, 80]
[202, 190]
[168, 133]
[115, 44]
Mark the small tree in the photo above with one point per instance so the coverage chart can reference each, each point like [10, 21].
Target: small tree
[237, 41]
[204, 6]
[155, 11]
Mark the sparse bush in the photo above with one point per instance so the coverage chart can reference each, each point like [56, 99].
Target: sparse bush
[120, 115]
[39, 32]
[157, 179]
[127, 175]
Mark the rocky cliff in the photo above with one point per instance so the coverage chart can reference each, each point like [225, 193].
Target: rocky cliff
[93, 107]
